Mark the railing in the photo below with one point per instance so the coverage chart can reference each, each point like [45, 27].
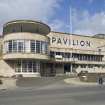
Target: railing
[62, 59]
[70, 59]
[65, 59]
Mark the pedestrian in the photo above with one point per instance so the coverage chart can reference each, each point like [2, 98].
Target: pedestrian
[100, 80]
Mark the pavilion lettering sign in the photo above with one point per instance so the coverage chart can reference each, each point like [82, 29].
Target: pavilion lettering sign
[69, 42]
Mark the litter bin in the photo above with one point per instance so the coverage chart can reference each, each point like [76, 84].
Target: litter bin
[84, 78]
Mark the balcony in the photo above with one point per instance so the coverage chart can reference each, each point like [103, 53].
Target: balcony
[60, 58]
[11, 56]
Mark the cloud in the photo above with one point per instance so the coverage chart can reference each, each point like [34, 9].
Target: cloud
[58, 25]
[27, 9]
[87, 24]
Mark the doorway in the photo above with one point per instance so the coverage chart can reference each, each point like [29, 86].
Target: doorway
[47, 70]
[67, 68]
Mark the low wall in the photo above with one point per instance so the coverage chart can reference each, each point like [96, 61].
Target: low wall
[91, 77]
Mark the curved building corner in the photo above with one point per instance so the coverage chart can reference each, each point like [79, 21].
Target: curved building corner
[25, 48]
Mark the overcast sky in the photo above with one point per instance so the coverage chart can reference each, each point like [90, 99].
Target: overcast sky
[88, 16]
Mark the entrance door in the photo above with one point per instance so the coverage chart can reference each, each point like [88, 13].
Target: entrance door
[47, 70]
[67, 68]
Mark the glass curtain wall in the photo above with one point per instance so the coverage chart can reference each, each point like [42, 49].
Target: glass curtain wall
[23, 66]
[27, 46]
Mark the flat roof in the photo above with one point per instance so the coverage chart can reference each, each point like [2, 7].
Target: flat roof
[78, 35]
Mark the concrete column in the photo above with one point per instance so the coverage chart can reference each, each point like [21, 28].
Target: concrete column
[71, 68]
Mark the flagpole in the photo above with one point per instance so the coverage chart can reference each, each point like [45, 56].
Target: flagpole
[71, 36]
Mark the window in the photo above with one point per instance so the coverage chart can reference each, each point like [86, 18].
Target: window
[18, 66]
[34, 66]
[52, 54]
[37, 66]
[90, 66]
[37, 46]
[46, 48]
[30, 66]
[14, 46]
[33, 47]
[83, 66]
[10, 46]
[67, 55]
[20, 45]
[24, 66]
[30, 46]
[43, 47]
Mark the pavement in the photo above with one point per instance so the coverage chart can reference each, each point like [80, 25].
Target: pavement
[76, 81]
[45, 82]
[8, 83]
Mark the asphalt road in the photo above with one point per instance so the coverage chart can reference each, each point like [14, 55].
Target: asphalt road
[54, 94]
